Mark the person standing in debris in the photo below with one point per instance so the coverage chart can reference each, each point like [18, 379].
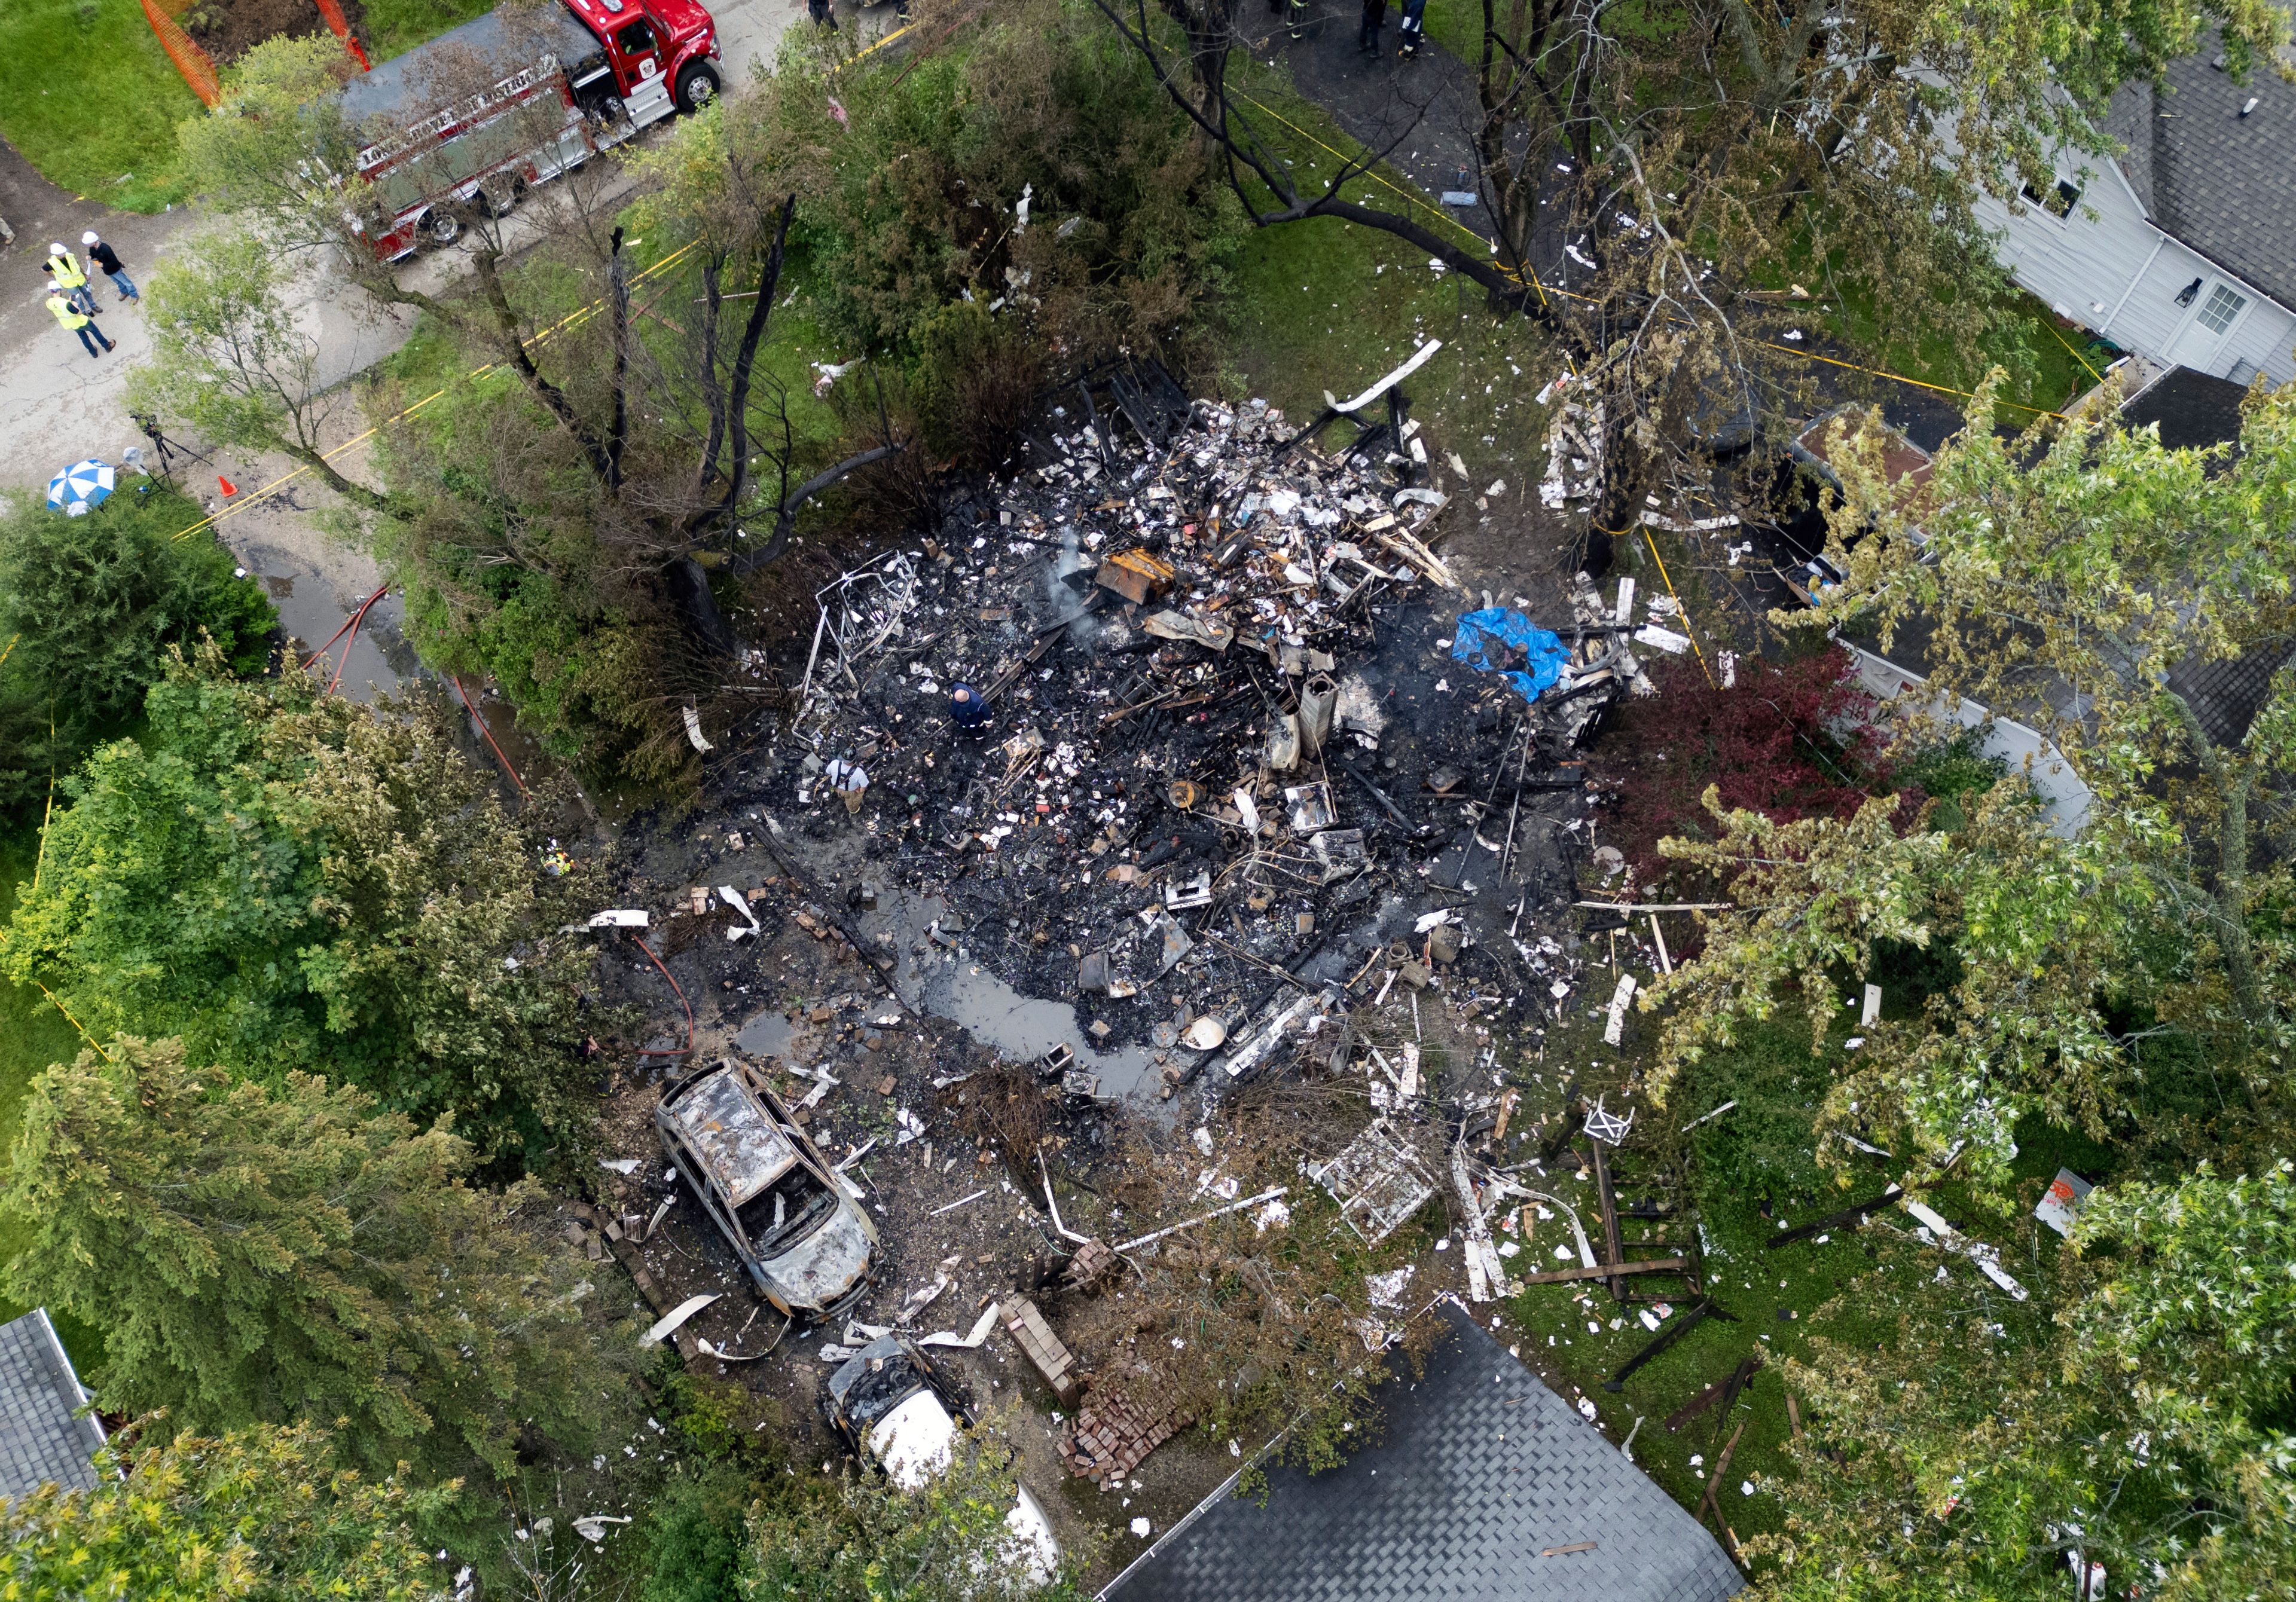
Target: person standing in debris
[65, 272]
[79, 321]
[1375, 13]
[823, 12]
[967, 706]
[107, 261]
[1411, 32]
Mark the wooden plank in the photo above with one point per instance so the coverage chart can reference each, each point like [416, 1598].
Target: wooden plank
[1575, 1546]
[1740, 1377]
[1611, 1235]
[1725, 1391]
[1694, 1407]
[1603, 1270]
[1706, 1307]
[1721, 1467]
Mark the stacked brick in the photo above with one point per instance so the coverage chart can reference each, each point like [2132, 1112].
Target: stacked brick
[1113, 1434]
[1043, 1348]
[1091, 1267]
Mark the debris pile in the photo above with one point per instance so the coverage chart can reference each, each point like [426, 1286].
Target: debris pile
[1222, 742]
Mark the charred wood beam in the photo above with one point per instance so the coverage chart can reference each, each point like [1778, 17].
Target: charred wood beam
[1610, 1204]
[1845, 1219]
[1706, 1307]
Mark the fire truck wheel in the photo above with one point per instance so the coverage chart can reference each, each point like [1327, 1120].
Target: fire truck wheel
[697, 86]
[442, 228]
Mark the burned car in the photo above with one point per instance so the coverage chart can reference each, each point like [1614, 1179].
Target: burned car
[894, 1409]
[806, 1242]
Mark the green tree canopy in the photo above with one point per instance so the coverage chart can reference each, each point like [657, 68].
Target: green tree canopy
[291, 880]
[260, 1254]
[2144, 1427]
[228, 361]
[89, 607]
[866, 1540]
[2075, 584]
[2078, 587]
[267, 1515]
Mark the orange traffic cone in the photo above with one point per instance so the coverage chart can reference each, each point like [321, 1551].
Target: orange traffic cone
[229, 488]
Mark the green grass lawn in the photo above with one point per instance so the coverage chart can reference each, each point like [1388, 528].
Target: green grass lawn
[88, 97]
[394, 27]
[1578, 1335]
[1326, 305]
[1457, 26]
[32, 1034]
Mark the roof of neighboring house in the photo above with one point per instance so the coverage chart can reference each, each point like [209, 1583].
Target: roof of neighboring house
[44, 1436]
[2222, 183]
[1479, 1470]
[2193, 409]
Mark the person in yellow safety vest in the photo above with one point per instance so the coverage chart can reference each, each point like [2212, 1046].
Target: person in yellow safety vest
[64, 269]
[78, 320]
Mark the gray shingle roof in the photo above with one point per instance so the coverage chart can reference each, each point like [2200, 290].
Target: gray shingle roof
[40, 1439]
[2193, 409]
[1480, 1468]
[2222, 183]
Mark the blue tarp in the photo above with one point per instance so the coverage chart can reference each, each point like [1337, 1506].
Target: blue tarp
[1486, 639]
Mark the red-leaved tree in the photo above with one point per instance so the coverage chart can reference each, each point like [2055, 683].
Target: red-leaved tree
[1788, 740]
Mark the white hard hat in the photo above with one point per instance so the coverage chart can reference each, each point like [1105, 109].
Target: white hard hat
[55, 289]
[57, 249]
[88, 238]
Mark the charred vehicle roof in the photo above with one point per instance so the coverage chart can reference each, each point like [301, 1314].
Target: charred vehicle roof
[804, 1240]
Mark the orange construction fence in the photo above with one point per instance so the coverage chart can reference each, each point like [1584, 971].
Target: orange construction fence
[198, 68]
[332, 12]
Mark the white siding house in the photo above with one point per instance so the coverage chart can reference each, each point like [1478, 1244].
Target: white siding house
[2184, 250]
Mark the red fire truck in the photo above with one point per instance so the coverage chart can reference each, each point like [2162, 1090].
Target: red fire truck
[553, 87]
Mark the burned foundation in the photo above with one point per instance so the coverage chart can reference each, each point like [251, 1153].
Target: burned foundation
[1237, 747]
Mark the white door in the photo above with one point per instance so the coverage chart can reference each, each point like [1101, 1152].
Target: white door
[2201, 344]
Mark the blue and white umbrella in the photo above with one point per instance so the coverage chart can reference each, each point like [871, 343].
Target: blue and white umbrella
[80, 488]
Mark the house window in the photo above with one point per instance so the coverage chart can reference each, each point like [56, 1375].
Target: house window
[2060, 204]
[2222, 306]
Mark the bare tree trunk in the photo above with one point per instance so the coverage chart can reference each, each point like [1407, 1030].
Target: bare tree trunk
[553, 398]
[785, 519]
[745, 362]
[357, 494]
[713, 391]
[618, 302]
[2228, 907]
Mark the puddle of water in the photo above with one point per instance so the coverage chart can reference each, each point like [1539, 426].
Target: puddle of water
[380, 660]
[767, 1034]
[960, 988]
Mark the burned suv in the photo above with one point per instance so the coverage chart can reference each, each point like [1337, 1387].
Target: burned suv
[806, 1242]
